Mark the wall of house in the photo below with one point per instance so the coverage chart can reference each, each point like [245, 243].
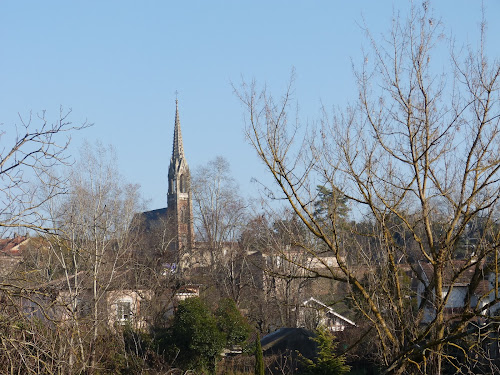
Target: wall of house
[493, 310]
[114, 298]
[456, 297]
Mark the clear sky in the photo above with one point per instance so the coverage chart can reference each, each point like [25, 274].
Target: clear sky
[119, 63]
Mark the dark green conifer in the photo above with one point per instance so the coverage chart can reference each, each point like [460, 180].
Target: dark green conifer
[259, 359]
[327, 362]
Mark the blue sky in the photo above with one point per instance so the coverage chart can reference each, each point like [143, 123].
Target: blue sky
[118, 65]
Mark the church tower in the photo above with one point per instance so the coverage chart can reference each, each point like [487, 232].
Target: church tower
[180, 206]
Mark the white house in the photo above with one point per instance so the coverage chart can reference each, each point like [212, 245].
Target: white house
[457, 276]
[314, 313]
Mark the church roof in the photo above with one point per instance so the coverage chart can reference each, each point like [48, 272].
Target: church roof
[149, 220]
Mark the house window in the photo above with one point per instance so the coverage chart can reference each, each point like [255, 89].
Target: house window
[123, 311]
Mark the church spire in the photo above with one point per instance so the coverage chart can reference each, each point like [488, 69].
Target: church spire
[180, 208]
[178, 148]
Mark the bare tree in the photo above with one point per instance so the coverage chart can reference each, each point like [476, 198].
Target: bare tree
[417, 158]
[220, 217]
[219, 209]
[29, 156]
[287, 269]
[94, 246]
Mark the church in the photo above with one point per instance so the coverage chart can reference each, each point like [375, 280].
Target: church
[166, 244]
[176, 220]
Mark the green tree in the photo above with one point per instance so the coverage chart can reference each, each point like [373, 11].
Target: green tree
[330, 203]
[195, 336]
[231, 323]
[259, 358]
[327, 362]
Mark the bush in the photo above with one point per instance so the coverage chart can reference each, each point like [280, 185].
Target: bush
[195, 339]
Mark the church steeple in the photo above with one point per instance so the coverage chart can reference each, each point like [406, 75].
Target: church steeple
[180, 208]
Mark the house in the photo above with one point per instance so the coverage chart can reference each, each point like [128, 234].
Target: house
[460, 277]
[314, 313]
[187, 291]
[65, 299]
[12, 246]
[130, 307]
[11, 250]
[124, 307]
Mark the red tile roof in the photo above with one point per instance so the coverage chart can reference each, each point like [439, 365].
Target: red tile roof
[11, 246]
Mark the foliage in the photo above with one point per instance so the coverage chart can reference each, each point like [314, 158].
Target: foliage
[330, 203]
[327, 362]
[259, 360]
[195, 336]
[230, 322]
[115, 358]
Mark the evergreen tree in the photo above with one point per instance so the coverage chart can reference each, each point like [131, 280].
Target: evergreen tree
[259, 359]
[230, 322]
[196, 337]
[327, 362]
[330, 203]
